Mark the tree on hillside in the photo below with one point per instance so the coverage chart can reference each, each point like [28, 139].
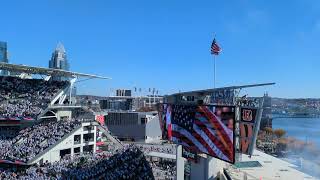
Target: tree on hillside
[268, 130]
[279, 133]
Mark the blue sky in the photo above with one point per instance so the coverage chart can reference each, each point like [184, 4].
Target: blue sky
[166, 44]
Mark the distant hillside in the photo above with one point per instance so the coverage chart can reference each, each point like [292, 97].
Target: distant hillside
[296, 106]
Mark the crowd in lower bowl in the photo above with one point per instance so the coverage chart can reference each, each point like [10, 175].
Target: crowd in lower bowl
[32, 140]
[127, 163]
[26, 98]
[164, 169]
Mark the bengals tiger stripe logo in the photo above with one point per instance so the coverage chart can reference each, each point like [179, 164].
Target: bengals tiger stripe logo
[247, 115]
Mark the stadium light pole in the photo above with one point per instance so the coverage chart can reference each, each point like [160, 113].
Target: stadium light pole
[72, 81]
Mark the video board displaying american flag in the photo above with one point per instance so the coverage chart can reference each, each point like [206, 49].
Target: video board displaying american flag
[203, 129]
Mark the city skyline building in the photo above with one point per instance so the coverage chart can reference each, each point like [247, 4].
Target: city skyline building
[59, 60]
[3, 56]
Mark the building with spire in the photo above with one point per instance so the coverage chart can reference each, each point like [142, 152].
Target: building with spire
[3, 57]
[59, 60]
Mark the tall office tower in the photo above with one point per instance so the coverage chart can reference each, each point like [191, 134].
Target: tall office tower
[59, 61]
[3, 57]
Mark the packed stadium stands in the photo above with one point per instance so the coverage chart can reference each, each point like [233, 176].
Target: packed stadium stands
[23, 147]
[164, 169]
[33, 140]
[26, 98]
[7, 132]
[127, 163]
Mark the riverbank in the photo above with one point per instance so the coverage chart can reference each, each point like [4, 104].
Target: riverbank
[300, 145]
[303, 129]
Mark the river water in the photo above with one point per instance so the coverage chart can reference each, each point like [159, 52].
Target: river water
[305, 129]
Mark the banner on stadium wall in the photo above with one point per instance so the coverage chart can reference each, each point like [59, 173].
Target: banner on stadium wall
[100, 119]
[203, 129]
[16, 162]
[18, 118]
[248, 118]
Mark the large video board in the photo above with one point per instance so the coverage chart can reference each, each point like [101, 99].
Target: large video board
[205, 129]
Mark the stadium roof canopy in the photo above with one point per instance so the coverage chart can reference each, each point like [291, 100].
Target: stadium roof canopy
[45, 71]
[209, 91]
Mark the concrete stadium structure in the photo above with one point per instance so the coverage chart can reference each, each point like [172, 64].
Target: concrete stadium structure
[82, 139]
[134, 126]
[79, 140]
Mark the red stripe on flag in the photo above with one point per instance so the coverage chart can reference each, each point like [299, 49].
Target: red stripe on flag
[169, 131]
[183, 138]
[226, 151]
[215, 49]
[204, 143]
[215, 122]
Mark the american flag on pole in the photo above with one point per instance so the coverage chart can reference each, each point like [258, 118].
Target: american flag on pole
[200, 129]
[215, 49]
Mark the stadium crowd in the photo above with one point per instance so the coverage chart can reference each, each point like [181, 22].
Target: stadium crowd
[127, 163]
[26, 98]
[7, 132]
[164, 169]
[32, 140]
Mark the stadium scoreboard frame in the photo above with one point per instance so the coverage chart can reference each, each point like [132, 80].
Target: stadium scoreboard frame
[226, 96]
[208, 129]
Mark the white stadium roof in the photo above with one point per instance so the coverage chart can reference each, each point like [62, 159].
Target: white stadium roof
[45, 71]
[209, 91]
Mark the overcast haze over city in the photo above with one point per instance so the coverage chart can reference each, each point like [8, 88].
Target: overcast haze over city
[166, 44]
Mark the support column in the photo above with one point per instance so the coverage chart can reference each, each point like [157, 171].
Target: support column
[180, 163]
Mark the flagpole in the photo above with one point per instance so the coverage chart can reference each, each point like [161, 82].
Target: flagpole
[214, 71]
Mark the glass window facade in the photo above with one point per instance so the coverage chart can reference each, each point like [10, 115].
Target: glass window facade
[59, 61]
[3, 56]
[3, 52]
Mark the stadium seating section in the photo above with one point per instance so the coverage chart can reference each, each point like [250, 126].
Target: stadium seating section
[32, 140]
[127, 163]
[26, 98]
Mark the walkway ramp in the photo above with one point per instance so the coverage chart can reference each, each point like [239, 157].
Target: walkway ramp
[109, 136]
